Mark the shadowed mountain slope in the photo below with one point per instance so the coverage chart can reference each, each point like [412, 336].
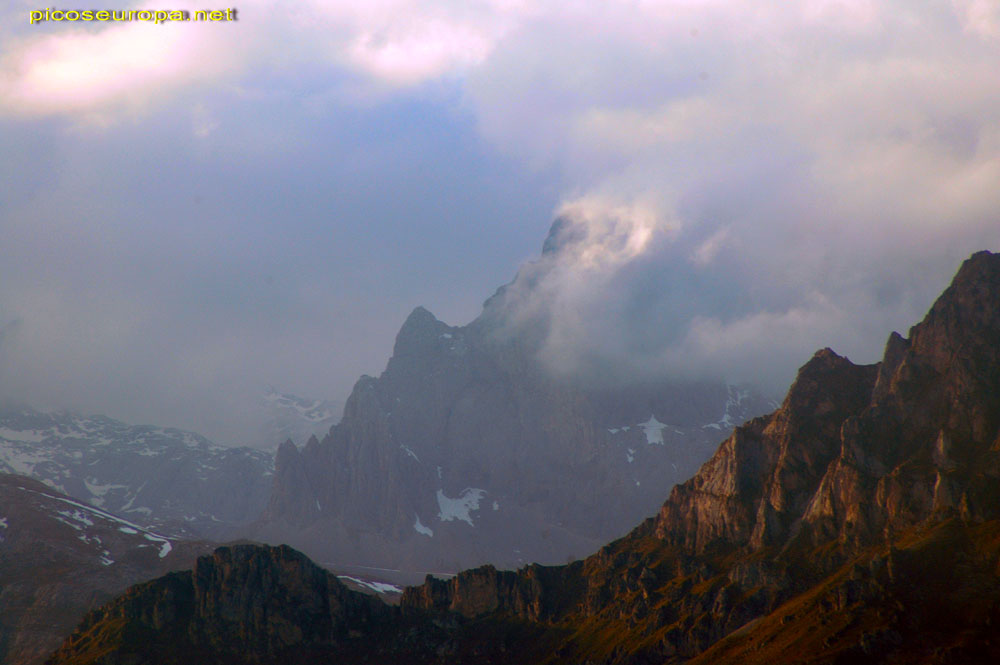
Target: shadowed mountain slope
[60, 557]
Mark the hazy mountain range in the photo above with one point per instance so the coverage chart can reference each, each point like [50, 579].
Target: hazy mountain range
[856, 524]
[469, 448]
[159, 476]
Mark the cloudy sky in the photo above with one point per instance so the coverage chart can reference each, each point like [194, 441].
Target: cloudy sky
[192, 211]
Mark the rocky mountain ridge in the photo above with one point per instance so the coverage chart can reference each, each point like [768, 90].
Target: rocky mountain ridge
[858, 460]
[247, 604]
[856, 524]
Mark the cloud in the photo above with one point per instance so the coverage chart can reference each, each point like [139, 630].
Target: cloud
[829, 165]
[705, 253]
[979, 17]
[600, 233]
[203, 122]
[417, 52]
[105, 69]
[740, 182]
[121, 67]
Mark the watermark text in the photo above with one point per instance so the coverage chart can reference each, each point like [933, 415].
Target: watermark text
[153, 16]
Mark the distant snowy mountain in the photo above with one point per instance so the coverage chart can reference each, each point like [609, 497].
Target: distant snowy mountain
[159, 477]
[297, 418]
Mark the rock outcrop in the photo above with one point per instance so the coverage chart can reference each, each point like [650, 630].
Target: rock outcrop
[241, 604]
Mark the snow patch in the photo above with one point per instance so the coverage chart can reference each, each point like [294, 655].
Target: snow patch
[496, 505]
[128, 506]
[165, 545]
[377, 587]
[459, 508]
[409, 452]
[76, 516]
[421, 529]
[97, 490]
[3, 522]
[654, 430]
[21, 462]
[734, 402]
[127, 529]
[630, 455]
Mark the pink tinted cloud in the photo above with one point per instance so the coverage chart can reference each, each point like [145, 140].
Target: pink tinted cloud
[73, 69]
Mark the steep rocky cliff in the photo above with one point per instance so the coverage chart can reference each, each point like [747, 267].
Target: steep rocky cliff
[857, 524]
[469, 449]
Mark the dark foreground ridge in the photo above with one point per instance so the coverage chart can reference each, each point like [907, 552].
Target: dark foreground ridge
[859, 523]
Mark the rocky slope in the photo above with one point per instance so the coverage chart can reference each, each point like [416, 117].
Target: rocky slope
[60, 557]
[468, 449]
[857, 524]
[161, 477]
[844, 501]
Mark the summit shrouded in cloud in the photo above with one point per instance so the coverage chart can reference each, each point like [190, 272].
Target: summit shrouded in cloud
[191, 211]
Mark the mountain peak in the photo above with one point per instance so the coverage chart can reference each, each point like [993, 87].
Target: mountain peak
[286, 450]
[419, 334]
[562, 233]
[829, 379]
[966, 318]
[420, 316]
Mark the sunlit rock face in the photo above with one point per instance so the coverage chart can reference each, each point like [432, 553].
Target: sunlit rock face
[856, 450]
[471, 449]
